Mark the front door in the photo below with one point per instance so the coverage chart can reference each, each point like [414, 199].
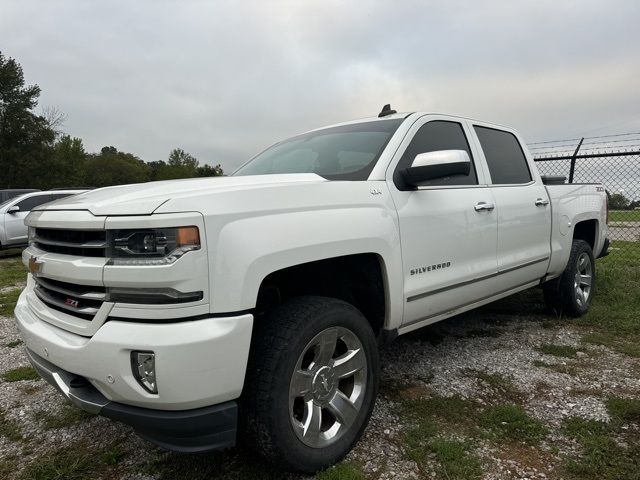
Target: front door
[448, 245]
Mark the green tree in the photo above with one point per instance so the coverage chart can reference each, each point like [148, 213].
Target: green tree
[617, 201]
[209, 171]
[24, 136]
[111, 167]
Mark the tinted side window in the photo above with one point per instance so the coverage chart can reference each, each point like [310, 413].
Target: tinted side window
[431, 137]
[506, 161]
[58, 196]
[30, 203]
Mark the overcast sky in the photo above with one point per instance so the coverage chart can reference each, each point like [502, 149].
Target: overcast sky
[223, 80]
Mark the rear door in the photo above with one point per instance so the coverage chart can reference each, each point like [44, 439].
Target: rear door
[523, 206]
[448, 246]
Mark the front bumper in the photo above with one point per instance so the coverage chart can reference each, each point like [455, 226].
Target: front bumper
[195, 430]
[199, 363]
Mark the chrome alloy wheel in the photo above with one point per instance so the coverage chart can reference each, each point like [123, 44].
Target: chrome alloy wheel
[327, 387]
[583, 279]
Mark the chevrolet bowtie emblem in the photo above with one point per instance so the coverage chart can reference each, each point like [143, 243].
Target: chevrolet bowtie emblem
[35, 266]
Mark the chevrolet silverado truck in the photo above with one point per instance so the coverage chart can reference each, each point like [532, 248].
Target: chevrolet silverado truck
[207, 311]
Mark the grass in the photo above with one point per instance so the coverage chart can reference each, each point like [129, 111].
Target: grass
[494, 380]
[511, 422]
[541, 364]
[113, 455]
[616, 343]
[624, 215]
[616, 304]
[12, 271]
[624, 409]
[342, 471]
[73, 462]
[14, 344]
[20, 373]
[565, 351]
[8, 302]
[234, 465]
[602, 457]
[422, 443]
[65, 417]
[8, 428]
[455, 459]
[63, 464]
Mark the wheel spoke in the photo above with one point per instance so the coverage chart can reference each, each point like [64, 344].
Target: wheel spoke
[301, 383]
[313, 421]
[342, 408]
[585, 280]
[348, 364]
[581, 262]
[326, 347]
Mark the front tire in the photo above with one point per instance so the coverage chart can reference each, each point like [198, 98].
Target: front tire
[571, 294]
[311, 383]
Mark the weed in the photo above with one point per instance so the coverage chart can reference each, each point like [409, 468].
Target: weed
[513, 422]
[65, 417]
[20, 373]
[558, 350]
[455, 459]
[602, 457]
[9, 429]
[342, 471]
[624, 409]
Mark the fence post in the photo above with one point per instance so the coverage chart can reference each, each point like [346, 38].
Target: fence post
[573, 161]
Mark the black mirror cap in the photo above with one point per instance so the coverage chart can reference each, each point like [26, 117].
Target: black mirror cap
[414, 176]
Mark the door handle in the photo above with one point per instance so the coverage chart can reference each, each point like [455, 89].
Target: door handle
[541, 202]
[480, 206]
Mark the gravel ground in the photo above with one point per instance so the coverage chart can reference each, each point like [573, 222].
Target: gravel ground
[442, 360]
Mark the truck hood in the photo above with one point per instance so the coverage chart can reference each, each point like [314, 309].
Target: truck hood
[145, 198]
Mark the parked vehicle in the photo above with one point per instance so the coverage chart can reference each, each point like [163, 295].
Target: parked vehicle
[194, 309]
[11, 193]
[13, 231]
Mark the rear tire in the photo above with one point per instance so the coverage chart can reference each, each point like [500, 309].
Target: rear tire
[311, 383]
[571, 294]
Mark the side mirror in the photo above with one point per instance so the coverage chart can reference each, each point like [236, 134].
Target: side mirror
[439, 164]
[14, 209]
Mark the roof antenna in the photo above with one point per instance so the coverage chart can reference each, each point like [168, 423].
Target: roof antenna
[386, 110]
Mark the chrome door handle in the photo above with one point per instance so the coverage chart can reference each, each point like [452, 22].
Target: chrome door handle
[480, 206]
[541, 202]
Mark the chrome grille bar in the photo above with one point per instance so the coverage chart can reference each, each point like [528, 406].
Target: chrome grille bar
[97, 296]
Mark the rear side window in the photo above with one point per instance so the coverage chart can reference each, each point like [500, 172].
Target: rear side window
[432, 137]
[506, 161]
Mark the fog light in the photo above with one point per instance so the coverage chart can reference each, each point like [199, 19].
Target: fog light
[143, 365]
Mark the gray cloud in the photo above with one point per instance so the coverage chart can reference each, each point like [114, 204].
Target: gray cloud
[224, 80]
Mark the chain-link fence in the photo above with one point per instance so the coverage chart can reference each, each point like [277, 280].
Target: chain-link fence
[614, 161]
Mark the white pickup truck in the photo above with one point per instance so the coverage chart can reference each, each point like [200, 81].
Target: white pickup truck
[251, 307]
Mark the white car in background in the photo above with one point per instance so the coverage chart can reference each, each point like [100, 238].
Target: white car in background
[13, 231]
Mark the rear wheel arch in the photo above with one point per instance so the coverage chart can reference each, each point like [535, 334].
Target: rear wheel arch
[586, 230]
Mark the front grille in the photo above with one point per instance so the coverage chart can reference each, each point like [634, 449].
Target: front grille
[82, 301]
[84, 243]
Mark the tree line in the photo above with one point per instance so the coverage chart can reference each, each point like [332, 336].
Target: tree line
[36, 153]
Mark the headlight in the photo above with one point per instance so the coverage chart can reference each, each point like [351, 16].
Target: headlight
[154, 246]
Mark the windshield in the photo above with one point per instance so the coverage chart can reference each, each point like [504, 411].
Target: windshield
[347, 152]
